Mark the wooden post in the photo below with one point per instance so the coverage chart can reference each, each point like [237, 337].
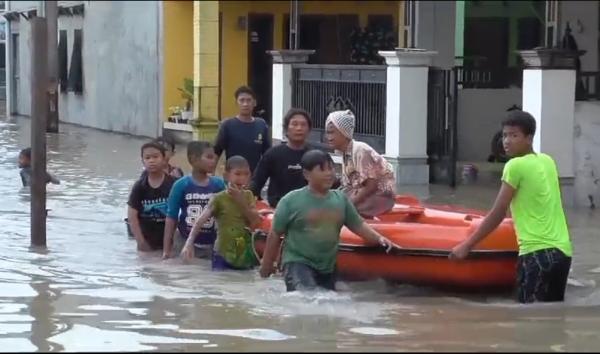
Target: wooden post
[51, 12]
[39, 110]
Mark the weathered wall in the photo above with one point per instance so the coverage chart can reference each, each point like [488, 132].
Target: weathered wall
[480, 113]
[587, 153]
[435, 30]
[120, 67]
[583, 20]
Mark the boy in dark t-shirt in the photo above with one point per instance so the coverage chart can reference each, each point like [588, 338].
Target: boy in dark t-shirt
[244, 135]
[148, 200]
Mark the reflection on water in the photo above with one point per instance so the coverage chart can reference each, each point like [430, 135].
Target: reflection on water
[91, 291]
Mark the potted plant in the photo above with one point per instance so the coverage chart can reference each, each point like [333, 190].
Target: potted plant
[187, 93]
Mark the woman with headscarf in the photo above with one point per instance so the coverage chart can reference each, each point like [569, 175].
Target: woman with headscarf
[367, 178]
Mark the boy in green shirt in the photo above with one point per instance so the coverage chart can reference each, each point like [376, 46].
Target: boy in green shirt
[234, 210]
[530, 185]
[311, 219]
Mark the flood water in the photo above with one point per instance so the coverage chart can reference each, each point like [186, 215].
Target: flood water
[91, 291]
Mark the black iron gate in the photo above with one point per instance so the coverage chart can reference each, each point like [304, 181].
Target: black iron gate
[442, 97]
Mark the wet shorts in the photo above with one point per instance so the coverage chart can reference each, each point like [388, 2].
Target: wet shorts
[542, 276]
[299, 276]
[219, 263]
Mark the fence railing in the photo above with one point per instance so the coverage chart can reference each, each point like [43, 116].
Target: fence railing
[588, 86]
[321, 89]
[469, 77]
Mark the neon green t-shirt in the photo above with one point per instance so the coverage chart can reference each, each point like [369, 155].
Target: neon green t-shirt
[536, 207]
[312, 226]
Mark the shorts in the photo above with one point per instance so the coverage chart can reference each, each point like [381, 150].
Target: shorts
[299, 276]
[542, 276]
[219, 263]
[200, 251]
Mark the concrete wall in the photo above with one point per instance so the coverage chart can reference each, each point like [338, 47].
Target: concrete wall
[435, 30]
[587, 153]
[583, 19]
[120, 67]
[480, 113]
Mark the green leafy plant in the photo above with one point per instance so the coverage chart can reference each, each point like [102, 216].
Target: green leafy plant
[187, 92]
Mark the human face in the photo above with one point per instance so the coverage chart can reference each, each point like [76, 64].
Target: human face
[24, 161]
[246, 104]
[515, 142]
[205, 163]
[321, 178]
[335, 138]
[239, 176]
[297, 130]
[153, 159]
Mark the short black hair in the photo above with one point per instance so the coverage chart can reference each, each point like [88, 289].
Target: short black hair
[236, 161]
[197, 148]
[26, 152]
[314, 158]
[244, 89]
[521, 119]
[166, 142]
[296, 111]
[153, 145]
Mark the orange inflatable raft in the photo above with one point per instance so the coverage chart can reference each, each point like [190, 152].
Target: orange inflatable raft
[425, 235]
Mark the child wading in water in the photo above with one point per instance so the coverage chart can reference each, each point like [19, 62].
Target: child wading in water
[234, 211]
[148, 200]
[188, 199]
[530, 185]
[367, 178]
[25, 166]
[169, 146]
[311, 219]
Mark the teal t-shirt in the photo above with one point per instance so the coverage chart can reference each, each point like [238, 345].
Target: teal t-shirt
[536, 207]
[312, 225]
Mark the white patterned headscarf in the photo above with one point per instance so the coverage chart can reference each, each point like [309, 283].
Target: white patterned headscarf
[344, 122]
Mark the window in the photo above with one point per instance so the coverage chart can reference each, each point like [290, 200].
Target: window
[63, 69]
[76, 69]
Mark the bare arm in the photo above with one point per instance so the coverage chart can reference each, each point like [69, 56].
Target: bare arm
[367, 233]
[202, 219]
[269, 255]
[249, 211]
[489, 223]
[369, 188]
[170, 224]
[134, 223]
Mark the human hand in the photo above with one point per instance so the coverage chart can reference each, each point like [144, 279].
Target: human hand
[187, 252]
[236, 193]
[386, 243]
[266, 269]
[167, 254]
[143, 246]
[460, 251]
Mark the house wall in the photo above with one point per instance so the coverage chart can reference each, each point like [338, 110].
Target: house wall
[587, 153]
[177, 50]
[234, 53]
[120, 66]
[583, 19]
[480, 114]
[436, 24]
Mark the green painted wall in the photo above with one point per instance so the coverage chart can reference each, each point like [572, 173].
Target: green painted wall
[459, 32]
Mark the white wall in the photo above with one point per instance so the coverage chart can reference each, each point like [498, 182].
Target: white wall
[587, 14]
[435, 30]
[120, 67]
[587, 153]
[480, 114]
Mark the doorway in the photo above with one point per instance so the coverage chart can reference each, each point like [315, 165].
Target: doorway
[260, 72]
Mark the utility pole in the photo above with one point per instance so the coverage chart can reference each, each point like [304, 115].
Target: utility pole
[39, 111]
[51, 12]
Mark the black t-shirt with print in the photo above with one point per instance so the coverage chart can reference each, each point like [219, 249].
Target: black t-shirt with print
[151, 204]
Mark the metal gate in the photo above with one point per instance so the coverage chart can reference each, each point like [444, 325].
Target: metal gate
[442, 97]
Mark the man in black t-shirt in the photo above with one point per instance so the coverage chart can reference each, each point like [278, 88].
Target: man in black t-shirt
[281, 163]
[244, 135]
[148, 199]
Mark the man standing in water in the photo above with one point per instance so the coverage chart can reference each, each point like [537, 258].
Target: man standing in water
[281, 164]
[530, 185]
[244, 135]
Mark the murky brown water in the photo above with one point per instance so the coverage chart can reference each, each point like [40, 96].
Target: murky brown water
[91, 291]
